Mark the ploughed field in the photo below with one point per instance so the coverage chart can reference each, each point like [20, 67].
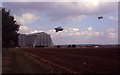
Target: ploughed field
[77, 60]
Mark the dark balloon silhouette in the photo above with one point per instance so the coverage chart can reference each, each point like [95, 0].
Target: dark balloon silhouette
[100, 17]
[58, 29]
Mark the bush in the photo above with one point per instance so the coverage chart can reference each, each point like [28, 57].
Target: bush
[36, 46]
[19, 46]
[58, 46]
[69, 46]
[73, 45]
[39, 46]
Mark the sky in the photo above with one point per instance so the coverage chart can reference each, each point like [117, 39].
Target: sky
[79, 20]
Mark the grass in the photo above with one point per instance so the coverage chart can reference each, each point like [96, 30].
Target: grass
[15, 61]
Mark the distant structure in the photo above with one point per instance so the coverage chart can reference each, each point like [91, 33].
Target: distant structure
[36, 39]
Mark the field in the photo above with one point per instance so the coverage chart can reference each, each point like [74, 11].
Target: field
[66, 60]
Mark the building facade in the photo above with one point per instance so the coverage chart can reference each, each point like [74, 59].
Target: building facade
[35, 39]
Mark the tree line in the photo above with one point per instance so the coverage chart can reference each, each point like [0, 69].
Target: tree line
[10, 29]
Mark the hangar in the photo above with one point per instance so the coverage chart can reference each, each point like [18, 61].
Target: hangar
[36, 39]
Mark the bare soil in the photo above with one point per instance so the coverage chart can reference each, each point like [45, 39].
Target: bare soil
[77, 60]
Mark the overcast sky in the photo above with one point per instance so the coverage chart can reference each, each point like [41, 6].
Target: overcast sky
[79, 20]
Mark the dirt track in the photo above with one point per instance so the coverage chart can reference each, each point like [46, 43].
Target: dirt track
[81, 60]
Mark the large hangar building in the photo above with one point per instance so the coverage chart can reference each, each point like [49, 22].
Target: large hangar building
[35, 39]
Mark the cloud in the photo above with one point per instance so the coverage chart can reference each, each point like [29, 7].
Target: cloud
[59, 0]
[25, 29]
[88, 36]
[0, 3]
[66, 12]
[78, 11]
[73, 19]
[63, 11]
[36, 31]
[111, 33]
[76, 29]
[78, 36]
[27, 18]
[113, 18]
[90, 28]
[110, 30]
[76, 32]
[75, 35]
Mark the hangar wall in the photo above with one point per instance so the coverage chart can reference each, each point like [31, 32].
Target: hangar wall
[35, 39]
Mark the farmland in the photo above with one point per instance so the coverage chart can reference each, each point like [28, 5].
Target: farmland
[74, 60]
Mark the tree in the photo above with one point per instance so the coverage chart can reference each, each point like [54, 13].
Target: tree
[73, 45]
[9, 29]
[69, 46]
[58, 46]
